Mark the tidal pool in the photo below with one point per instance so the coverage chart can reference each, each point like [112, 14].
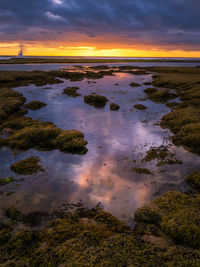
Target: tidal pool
[117, 142]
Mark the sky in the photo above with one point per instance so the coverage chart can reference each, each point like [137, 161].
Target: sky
[137, 28]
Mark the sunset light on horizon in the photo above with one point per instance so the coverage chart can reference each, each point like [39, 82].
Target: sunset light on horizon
[101, 29]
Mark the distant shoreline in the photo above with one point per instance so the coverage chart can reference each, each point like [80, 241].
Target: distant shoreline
[43, 60]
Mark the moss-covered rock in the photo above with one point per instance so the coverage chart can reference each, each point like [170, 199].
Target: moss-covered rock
[71, 141]
[140, 107]
[95, 100]
[27, 166]
[34, 105]
[114, 106]
[194, 180]
[71, 91]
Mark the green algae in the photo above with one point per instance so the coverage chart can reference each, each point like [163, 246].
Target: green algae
[140, 107]
[114, 106]
[95, 100]
[4, 181]
[34, 105]
[27, 166]
[71, 91]
[194, 180]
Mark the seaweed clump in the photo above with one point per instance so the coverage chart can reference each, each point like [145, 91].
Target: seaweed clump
[114, 106]
[194, 180]
[27, 166]
[71, 91]
[140, 107]
[95, 100]
[34, 105]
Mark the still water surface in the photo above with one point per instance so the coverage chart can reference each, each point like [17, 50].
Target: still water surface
[117, 142]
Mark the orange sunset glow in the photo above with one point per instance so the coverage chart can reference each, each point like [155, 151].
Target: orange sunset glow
[95, 50]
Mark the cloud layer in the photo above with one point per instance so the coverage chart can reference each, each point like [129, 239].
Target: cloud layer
[157, 23]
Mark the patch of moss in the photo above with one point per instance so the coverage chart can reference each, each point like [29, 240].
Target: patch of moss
[10, 102]
[4, 181]
[162, 95]
[189, 136]
[140, 107]
[95, 238]
[162, 154]
[71, 141]
[27, 166]
[95, 100]
[180, 216]
[194, 180]
[148, 215]
[134, 84]
[71, 91]
[34, 105]
[114, 106]
[28, 133]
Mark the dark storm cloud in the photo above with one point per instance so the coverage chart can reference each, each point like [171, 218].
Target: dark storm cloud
[171, 22]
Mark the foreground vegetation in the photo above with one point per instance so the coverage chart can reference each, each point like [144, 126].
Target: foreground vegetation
[184, 119]
[166, 234]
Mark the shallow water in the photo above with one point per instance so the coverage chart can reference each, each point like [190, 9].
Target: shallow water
[57, 66]
[117, 142]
